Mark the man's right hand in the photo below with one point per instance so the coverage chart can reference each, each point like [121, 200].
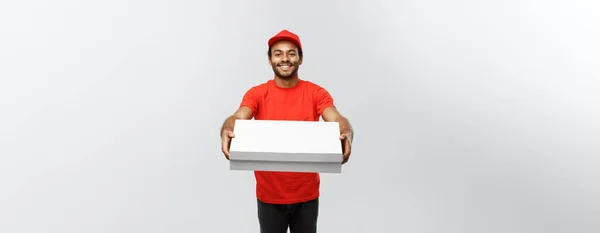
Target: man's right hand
[227, 128]
[226, 142]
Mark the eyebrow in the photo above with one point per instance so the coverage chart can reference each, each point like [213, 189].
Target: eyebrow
[279, 50]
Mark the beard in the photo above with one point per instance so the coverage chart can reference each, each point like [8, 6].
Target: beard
[286, 74]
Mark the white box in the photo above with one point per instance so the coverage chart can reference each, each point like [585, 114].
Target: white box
[292, 146]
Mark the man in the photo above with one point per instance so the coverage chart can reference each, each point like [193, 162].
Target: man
[287, 199]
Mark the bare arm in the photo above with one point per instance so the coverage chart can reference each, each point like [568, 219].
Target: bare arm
[331, 114]
[243, 113]
[227, 129]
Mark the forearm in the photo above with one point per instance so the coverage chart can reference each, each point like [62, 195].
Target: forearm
[345, 126]
[243, 113]
[228, 124]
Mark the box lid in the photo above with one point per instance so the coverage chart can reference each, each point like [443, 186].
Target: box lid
[278, 140]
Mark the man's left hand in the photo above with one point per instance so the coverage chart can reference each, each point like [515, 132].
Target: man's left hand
[346, 146]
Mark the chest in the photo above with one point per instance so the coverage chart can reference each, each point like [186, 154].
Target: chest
[296, 105]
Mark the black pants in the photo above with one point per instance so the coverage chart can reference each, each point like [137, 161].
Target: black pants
[300, 217]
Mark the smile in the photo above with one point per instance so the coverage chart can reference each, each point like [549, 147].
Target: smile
[285, 67]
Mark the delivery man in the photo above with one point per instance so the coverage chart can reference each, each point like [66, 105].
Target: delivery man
[287, 199]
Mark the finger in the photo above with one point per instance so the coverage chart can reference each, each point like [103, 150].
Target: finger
[231, 135]
[342, 137]
[225, 147]
[347, 148]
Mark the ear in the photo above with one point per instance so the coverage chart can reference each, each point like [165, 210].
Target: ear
[300, 60]
[270, 62]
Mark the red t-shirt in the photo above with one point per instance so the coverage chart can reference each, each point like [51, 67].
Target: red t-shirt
[303, 102]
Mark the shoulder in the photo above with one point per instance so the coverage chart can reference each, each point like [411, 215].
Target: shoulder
[313, 86]
[260, 88]
[263, 85]
[310, 84]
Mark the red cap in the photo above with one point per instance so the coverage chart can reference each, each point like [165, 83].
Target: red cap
[285, 35]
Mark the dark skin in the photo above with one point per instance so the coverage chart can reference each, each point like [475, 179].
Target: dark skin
[285, 60]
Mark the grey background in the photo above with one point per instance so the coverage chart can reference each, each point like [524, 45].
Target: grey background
[470, 116]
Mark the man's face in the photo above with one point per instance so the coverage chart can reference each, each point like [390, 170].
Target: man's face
[285, 59]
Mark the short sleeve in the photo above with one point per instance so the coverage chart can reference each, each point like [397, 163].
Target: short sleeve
[323, 100]
[250, 100]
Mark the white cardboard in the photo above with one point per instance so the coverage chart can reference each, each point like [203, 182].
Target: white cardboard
[292, 146]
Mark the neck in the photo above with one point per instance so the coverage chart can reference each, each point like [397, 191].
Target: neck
[287, 82]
